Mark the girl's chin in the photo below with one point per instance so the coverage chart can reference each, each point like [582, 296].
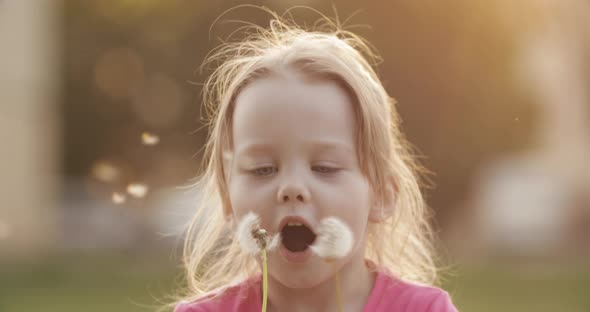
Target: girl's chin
[300, 275]
[298, 281]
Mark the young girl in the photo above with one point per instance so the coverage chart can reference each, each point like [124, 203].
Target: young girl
[302, 131]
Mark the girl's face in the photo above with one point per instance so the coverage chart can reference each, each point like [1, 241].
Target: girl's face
[294, 154]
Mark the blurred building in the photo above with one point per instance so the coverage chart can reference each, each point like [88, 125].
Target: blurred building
[30, 80]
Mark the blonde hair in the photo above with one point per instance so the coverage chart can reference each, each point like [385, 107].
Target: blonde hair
[212, 258]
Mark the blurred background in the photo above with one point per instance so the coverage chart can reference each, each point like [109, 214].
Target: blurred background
[101, 138]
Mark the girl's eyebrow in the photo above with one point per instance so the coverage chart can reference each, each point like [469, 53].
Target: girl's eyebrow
[333, 145]
[323, 145]
[254, 148]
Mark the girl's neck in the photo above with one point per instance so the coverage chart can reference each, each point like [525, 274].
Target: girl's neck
[356, 283]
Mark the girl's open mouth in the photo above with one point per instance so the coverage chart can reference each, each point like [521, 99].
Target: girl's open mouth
[296, 237]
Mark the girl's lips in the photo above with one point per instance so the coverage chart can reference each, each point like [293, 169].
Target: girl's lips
[294, 219]
[294, 257]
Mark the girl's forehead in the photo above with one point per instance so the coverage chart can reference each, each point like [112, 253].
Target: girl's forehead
[255, 148]
[277, 87]
[277, 110]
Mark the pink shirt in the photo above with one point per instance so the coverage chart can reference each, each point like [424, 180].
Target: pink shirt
[388, 295]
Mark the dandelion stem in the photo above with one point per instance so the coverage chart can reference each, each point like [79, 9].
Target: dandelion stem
[338, 293]
[264, 280]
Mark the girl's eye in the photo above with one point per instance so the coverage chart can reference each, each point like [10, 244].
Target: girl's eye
[264, 171]
[324, 169]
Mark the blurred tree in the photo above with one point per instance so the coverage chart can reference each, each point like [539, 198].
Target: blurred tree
[450, 66]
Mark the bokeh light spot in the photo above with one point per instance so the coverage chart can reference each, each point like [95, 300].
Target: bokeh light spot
[119, 73]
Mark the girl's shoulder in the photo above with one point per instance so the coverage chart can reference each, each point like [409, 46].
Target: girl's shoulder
[393, 294]
[240, 296]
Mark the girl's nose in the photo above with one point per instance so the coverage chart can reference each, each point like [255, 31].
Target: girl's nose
[291, 192]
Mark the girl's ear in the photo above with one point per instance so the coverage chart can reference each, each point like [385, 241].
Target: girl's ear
[379, 213]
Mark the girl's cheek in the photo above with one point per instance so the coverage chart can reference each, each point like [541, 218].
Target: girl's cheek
[248, 197]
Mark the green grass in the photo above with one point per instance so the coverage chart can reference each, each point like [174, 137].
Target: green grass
[108, 283]
[87, 284]
[510, 289]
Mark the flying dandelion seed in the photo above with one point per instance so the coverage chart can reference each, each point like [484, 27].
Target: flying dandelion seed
[105, 172]
[149, 138]
[516, 119]
[137, 190]
[118, 198]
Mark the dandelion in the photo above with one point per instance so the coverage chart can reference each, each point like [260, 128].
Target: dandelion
[254, 239]
[334, 241]
[249, 223]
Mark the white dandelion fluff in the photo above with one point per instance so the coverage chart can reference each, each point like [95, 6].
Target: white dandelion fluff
[250, 222]
[249, 235]
[334, 239]
[274, 242]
